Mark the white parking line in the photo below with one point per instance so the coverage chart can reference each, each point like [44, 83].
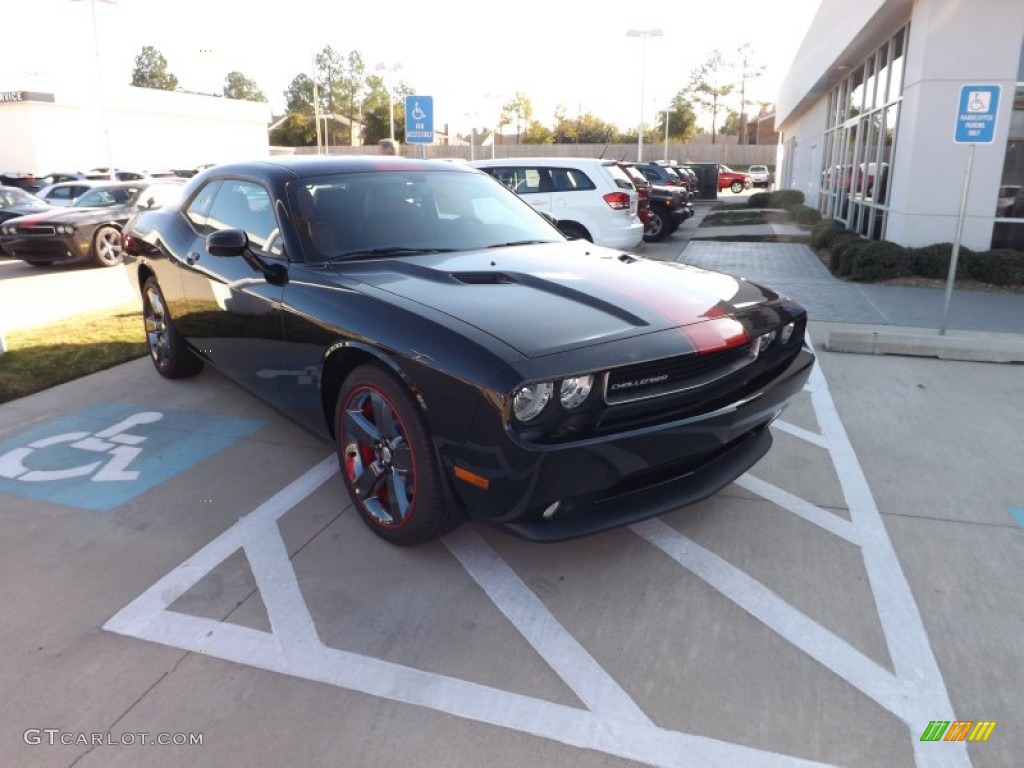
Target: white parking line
[612, 722]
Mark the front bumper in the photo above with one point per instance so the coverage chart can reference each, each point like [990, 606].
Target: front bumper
[614, 480]
[46, 249]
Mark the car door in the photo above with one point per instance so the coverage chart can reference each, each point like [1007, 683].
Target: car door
[232, 313]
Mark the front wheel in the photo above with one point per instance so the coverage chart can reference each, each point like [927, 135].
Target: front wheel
[166, 348]
[387, 459]
[106, 246]
[736, 187]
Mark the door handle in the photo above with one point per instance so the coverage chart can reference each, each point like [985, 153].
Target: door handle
[192, 258]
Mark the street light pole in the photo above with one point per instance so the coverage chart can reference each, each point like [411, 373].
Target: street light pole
[666, 135]
[104, 120]
[644, 34]
[389, 84]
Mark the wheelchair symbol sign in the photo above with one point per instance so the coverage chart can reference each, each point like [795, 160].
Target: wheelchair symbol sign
[114, 441]
[100, 458]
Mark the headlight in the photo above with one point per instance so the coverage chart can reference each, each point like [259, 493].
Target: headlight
[65, 229]
[787, 333]
[763, 342]
[575, 390]
[530, 399]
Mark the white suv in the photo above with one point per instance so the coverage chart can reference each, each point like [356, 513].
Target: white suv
[589, 198]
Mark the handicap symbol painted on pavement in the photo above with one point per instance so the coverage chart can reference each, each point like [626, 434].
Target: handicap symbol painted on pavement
[102, 457]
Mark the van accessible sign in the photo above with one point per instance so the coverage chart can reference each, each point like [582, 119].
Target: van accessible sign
[976, 115]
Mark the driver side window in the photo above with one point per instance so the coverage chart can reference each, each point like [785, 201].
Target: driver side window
[246, 205]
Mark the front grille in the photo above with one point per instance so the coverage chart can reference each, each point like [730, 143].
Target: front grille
[673, 374]
[40, 229]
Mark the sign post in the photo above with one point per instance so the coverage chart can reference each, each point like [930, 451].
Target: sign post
[975, 124]
[419, 120]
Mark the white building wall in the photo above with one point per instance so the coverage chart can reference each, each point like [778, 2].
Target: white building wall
[149, 130]
[951, 43]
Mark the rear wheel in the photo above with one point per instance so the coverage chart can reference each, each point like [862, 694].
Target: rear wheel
[387, 459]
[657, 227]
[166, 348]
[575, 231]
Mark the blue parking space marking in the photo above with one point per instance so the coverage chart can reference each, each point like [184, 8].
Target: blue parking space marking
[1018, 515]
[98, 459]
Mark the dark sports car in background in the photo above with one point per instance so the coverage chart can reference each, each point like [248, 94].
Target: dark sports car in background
[15, 202]
[89, 230]
[464, 358]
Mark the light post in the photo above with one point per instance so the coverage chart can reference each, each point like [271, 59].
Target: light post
[667, 113]
[644, 34]
[105, 122]
[389, 84]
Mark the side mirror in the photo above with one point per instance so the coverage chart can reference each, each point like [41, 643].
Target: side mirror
[227, 242]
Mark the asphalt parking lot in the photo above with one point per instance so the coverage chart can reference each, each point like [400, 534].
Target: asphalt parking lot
[179, 561]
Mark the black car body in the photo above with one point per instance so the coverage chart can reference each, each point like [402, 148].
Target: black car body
[463, 357]
[89, 230]
[15, 202]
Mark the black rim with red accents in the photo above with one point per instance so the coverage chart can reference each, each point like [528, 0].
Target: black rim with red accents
[377, 457]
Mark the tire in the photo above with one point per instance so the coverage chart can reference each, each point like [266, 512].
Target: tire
[106, 246]
[387, 459]
[167, 350]
[736, 187]
[657, 228]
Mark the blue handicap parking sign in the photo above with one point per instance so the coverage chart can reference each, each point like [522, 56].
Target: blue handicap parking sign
[419, 119]
[100, 458]
[976, 114]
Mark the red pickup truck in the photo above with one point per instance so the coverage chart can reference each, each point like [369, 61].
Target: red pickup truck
[730, 179]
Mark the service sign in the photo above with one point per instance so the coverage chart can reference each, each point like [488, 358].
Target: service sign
[10, 96]
[976, 115]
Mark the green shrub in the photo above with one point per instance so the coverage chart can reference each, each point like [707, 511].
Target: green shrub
[879, 260]
[759, 200]
[842, 251]
[933, 260]
[1002, 266]
[803, 214]
[784, 198]
[824, 231]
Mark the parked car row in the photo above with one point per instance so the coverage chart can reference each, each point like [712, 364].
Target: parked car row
[86, 230]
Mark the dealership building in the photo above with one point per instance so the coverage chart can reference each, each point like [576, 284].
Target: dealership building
[887, 103]
[132, 128]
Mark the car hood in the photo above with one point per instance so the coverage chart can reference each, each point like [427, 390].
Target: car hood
[548, 298]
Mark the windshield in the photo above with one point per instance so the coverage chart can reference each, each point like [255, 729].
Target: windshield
[11, 196]
[394, 213]
[105, 197]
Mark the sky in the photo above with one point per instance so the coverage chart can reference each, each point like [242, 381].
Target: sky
[471, 57]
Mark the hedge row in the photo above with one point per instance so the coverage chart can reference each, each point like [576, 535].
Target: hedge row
[851, 256]
[780, 198]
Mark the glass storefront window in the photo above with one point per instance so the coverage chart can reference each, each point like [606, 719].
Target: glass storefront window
[858, 143]
[1008, 231]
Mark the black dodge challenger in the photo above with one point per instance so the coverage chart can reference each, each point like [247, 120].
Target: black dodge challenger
[465, 359]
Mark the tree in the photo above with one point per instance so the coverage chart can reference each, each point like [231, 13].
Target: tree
[238, 86]
[538, 133]
[297, 130]
[731, 126]
[520, 109]
[342, 83]
[682, 120]
[151, 71]
[746, 69]
[708, 88]
[298, 96]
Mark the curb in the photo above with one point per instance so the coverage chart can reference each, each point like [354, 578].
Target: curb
[977, 349]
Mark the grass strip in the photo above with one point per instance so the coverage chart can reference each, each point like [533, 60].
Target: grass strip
[43, 357]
